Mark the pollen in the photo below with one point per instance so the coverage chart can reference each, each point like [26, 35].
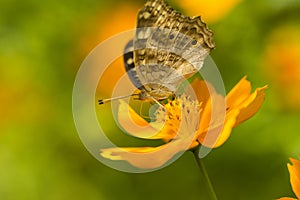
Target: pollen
[180, 113]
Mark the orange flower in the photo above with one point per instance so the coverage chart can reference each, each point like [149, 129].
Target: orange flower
[122, 17]
[294, 170]
[281, 65]
[211, 10]
[185, 123]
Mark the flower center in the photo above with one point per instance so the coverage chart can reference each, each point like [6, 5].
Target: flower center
[182, 114]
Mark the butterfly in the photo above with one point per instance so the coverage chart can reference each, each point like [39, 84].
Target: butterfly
[167, 48]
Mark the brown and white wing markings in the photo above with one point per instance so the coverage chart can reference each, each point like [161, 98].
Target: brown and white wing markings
[168, 45]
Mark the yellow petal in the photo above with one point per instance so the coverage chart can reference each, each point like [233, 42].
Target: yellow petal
[214, 103]
[294, 170]
[202, 89]
[251, 105]
[240, 98]
[216, 135]
[135, 125]
[227, 128]
[287, 198]
[146, 157]
[241, 105]
[238, 93]
[215, 128]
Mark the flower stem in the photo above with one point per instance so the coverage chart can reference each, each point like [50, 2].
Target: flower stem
[204, 174]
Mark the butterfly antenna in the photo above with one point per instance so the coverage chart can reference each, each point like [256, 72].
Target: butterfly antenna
[103, 101]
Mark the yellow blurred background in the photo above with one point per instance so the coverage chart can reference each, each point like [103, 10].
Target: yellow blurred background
[42, 44]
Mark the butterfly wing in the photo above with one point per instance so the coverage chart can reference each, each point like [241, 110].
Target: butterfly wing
[169, 45]
[130, 66]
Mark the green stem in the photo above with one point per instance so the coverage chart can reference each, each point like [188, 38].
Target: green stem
[204, 174]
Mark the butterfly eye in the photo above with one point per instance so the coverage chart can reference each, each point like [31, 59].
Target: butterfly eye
[194, 42]
[171, 36]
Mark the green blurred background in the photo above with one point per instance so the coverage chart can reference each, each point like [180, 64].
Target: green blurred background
[42, 44]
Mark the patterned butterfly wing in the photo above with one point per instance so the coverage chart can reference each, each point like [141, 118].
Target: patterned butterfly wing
[168, 46]
[130, 66]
